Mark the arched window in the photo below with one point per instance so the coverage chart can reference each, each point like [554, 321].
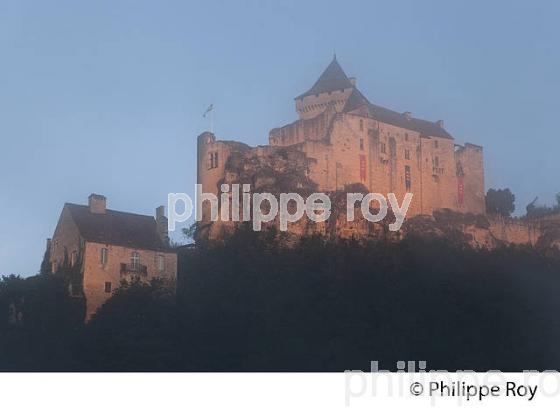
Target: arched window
[135, 260]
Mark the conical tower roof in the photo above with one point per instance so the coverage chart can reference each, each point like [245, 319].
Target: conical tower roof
[333, 78]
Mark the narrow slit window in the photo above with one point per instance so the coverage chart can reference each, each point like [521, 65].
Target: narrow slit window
[104, 255]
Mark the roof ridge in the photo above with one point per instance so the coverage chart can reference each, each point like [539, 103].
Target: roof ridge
[113, 211]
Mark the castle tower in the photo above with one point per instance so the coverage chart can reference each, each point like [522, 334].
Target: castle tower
[332, 88]
[209, 172]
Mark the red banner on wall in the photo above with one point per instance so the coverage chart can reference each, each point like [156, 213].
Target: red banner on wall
[362, 168]
[460, 190]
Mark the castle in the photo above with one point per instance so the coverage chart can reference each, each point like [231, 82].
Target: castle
[341, 139]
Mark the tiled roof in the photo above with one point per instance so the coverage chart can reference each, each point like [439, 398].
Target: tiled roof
[428, 128]
[333, 78]
[117, 228]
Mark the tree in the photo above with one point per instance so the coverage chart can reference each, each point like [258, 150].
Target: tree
[39, 323]
[190, 232]
[46, 267]
[134, 330]
[500, 202]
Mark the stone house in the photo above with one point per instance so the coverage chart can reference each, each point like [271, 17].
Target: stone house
[107, 246]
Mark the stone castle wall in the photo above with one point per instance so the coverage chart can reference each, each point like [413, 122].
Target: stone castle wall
[291, 168]
[345, 149]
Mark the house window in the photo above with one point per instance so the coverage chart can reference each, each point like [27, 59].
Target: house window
[406, 154]
[108, 287]
[383, 148]
[361, 144]
[135, 260]
[160, 263]
[361, 125]
[104, 255]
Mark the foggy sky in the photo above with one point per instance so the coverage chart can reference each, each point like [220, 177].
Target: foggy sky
[108, 96]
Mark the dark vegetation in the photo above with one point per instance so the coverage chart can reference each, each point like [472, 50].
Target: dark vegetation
[536, 210]
[500, 202]
[248, 305]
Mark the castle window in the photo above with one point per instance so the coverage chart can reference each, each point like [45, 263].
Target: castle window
[406, 154]
[160, 263]
[213, 160]
[361, 125]
[74, 258]
[436, 161]
[361, 144]
[383, 148]
[104, 255]
[436, 144]
[406, 136]
[108, 287]
[135, 260]
[407, 179]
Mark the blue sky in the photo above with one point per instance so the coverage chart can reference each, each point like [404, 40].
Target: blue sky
[108, 96]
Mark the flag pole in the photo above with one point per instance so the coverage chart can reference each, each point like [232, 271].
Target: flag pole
[212, 120]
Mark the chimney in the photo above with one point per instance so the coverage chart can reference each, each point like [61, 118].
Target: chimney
[161, 224]
[97, 204]
[352, 81]
[439, 123]
[407, 115]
